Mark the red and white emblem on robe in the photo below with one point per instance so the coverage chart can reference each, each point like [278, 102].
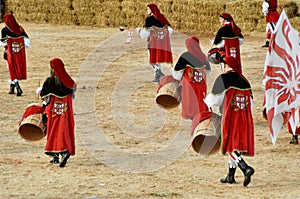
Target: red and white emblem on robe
[160, 45]
[59, 108]
[240, 102]
[16, 47]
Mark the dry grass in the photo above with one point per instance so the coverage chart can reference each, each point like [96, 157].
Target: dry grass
[184, 15]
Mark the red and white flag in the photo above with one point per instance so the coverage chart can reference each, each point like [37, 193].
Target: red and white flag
[281, 78]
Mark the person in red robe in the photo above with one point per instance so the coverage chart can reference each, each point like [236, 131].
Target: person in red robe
[191, 70]
[157, 30]
[269, 9]
[15, 40]
[229, 38]
[57, 93]
[232, 92]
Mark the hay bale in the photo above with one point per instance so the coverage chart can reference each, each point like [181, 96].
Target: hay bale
[184, 15]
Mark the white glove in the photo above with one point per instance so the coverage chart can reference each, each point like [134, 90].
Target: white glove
[38, 90]
[138, 30]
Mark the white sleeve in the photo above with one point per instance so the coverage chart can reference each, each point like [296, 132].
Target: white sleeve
[214, 100]
[221, 44]
[176, 74]
[3, 43]
[265, 7]
[241, 41]
[170, 29]
[144, 34]
[27, 42]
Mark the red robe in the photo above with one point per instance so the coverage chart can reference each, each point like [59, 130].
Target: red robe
[160, 45]
[232, 49]
[16, 58]
[291, 131]
[193, 91]
[60, 125]
[273, 14]
[237, 123]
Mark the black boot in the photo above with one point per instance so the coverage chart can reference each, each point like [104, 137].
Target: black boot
[294, 139]
[247, 170]
[230, 177]
[64, 158]
[158, 75]
[12, 88]
[266, 45]
[19, 90]
[55, 159]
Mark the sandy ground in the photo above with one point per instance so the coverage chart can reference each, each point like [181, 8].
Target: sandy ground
[127, 146]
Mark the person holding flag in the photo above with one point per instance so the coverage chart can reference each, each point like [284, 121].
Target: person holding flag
[281, 80]
[232, 92]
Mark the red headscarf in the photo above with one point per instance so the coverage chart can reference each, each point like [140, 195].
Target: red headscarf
[59, 68]
[12, 24]
[156, 13]
[232, 63]
[192, 45]
[236, 30]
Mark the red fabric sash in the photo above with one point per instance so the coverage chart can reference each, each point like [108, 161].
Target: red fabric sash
[60, 125]
[160, 45]
[16, 58]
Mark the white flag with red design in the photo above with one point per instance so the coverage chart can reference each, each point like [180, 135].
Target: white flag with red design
[282, 78]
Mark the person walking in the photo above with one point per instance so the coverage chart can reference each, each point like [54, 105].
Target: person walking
[15, 40]
[191, 70]
[57, 94]
[157, 30]
[232, 92]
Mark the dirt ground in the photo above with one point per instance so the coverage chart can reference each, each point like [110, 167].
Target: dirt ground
[128, 146]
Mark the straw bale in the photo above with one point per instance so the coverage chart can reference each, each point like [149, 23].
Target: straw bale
[184, 15]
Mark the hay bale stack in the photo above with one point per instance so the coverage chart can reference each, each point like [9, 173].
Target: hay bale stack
[200, 16]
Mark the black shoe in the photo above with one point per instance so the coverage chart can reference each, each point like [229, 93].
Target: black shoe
[247, 170]
[64, 158]
[55, 160]
[266, 45]
[19, 90]
[247, 174]
[230, 177]
[294, 140]
[12, 89]
[155, 79]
